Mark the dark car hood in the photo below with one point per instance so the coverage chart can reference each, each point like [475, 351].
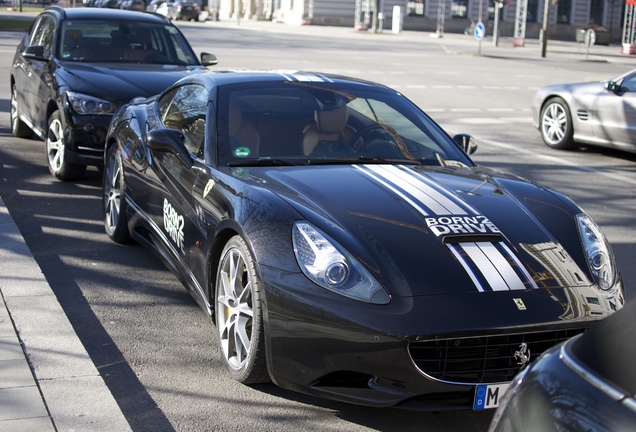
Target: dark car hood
[119, 83]
[440, 230]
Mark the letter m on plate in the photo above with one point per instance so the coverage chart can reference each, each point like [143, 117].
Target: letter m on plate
[488, 396]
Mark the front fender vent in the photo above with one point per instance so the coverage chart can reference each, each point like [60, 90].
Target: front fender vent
[485, 359]
[583, 115]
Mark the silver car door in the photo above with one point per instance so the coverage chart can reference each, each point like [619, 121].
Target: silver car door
[616, 113]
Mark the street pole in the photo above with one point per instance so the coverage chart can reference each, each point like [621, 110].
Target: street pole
[495, 30]
[544, 28]
[481, 10]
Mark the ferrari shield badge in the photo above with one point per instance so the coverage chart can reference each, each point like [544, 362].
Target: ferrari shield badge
[520, 304]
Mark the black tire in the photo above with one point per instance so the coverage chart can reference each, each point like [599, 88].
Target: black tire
[555, 124]
[114, 197]
[56, 151]
[239, 313]
[19, 129]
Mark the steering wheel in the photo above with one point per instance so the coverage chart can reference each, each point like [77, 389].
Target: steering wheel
[361, 132]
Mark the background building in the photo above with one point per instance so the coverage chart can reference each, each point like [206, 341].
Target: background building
[565, 16]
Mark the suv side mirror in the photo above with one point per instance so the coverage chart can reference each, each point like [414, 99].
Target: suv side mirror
[35, 52]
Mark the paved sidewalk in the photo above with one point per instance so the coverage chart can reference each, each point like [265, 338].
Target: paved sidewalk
[47, 380]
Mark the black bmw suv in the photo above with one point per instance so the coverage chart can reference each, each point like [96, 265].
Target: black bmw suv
[75, 67]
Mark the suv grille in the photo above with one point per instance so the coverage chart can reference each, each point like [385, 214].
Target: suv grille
[486, 359]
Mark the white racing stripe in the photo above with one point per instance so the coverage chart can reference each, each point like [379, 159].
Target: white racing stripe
[394, 190]
[495, 268]
[304, 77]
[520, 266]
[502, 266]
[464, 264]
[431, 198]
[485, 265]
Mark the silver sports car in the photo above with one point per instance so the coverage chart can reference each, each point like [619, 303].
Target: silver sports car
[592, 113]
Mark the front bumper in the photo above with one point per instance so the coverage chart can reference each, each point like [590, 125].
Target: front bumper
[85, 136]
[333, 347]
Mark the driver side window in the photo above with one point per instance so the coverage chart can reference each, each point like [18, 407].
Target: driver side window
[42, 34]
[629, 83]
[184, 109]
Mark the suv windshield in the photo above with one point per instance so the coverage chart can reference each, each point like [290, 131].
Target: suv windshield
[123, 42]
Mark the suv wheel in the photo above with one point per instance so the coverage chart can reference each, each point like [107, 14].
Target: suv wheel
[19, 129]
[56, 152]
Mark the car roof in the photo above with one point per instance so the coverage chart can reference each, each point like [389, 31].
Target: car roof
[227, 77]
[106, 13]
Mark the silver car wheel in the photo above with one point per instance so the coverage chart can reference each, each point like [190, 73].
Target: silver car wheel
[55, 145]
[19, 129]
[235, 309]
[112, 192]
[56, 151]
[556, 124]
[239, 314]
[113, 200]
[14, 108]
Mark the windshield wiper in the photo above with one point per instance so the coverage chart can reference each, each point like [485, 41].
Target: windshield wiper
[264, 161]
[361, 160]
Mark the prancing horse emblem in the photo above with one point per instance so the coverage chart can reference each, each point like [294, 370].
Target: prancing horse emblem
[522, 355]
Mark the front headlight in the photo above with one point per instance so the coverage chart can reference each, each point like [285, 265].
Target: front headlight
[89, 105]
[330, 266]
[598, 252]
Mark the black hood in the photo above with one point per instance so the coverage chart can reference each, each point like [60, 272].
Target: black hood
[441, 230]
[119, 83]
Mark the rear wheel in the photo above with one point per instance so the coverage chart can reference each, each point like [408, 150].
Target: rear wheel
[114, 201]
[19, 128]
[56, 152]
[555, 124]
[239, 314]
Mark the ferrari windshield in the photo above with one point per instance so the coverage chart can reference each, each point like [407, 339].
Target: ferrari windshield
[324, 123]
[123, 41]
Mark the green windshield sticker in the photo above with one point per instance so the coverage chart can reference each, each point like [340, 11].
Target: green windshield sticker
[242, 152]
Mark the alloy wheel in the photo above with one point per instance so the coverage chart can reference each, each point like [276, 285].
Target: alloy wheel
[55, 145]
[235, 309]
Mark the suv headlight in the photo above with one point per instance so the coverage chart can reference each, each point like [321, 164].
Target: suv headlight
[89, 105]
[598, 252]
[327, 264]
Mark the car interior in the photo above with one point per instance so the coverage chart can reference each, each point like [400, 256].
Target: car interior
[280, 125]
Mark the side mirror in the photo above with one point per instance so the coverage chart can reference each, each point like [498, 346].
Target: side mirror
[466, 142]
[208, 59]
[35, 52]
[613, 87]
[169, 141]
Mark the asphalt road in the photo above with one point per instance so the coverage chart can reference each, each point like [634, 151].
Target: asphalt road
[153, 345]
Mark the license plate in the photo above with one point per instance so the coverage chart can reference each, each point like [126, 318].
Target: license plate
[488, 396]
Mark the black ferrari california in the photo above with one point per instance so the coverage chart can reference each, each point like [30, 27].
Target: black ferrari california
[345, 245]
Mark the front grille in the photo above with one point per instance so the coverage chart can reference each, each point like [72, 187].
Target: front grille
[486, 359]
